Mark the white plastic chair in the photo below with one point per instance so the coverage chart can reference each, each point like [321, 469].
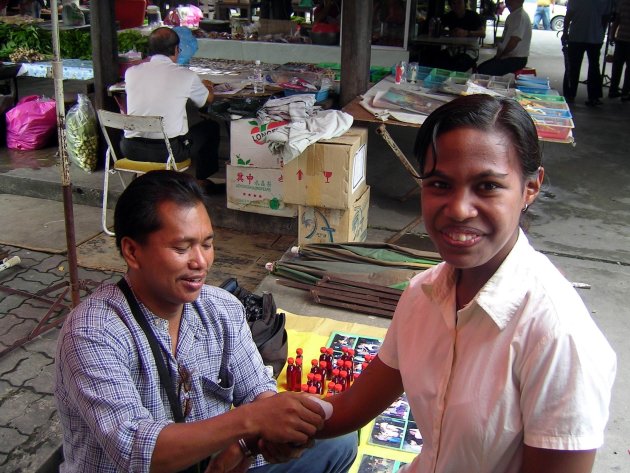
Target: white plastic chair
[114, 164]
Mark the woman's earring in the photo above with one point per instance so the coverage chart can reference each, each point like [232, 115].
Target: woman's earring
[525, 208]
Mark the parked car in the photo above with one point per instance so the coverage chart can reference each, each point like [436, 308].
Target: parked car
[556, 17]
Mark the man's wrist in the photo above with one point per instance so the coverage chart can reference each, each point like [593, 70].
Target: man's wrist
[249, 447]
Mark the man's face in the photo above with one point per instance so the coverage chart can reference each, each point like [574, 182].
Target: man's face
[170, 269]
[513, 4]
[458, 6]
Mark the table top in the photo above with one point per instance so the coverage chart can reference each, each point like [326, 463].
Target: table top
[467, 42]
[362, 108]
[76, 69]
[360, 114]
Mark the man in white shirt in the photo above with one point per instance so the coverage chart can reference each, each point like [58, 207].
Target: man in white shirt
[161, 87]
[513, 51]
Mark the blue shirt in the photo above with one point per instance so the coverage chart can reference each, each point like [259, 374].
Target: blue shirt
[111, 403]
[586, 23]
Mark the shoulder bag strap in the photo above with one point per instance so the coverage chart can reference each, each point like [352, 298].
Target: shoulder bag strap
[165, 377]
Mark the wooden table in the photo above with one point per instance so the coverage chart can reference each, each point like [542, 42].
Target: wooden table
[360, 114]
[451, 41]
[459, 44]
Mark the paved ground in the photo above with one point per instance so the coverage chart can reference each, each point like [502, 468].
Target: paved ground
[582, 220]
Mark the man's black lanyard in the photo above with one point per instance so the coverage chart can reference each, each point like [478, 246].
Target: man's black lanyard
[165, 377]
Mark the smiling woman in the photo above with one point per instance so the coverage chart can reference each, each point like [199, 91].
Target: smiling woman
[503, 367]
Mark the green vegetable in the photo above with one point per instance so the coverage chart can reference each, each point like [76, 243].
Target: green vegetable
[73, 44]
[128, 40]
[24, 36]
[82, 135]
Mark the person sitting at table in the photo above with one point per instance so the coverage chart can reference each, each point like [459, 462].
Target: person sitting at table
[160, 87]
[327, 11]
[460, 22]
[513, 51]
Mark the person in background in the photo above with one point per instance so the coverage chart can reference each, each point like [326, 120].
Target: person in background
[513, 51]
[461, 23]
[584, 29]
[327, 11]
[161, 87]
[503, 366]
[32, 7]
[620, 31]
[112, 399]
[542, 14]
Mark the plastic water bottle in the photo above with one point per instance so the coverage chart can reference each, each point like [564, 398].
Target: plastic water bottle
[258, 79]
[8, 262]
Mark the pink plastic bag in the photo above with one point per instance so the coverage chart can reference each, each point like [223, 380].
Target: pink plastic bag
[31, 123]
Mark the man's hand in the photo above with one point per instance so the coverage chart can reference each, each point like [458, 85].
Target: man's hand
[230, 460]
[459, 32]
[285, 418]
[210, 86]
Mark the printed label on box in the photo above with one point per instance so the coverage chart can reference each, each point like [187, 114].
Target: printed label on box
[248, 146]
[358, 168]
[257, 190]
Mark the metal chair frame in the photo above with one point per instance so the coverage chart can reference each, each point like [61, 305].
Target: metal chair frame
[144, 124]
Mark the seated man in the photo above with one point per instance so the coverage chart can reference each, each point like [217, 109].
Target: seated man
[513, 51]
[458, 22]
[327, 11]
[461, 23]
[159, 372]
[161, 87]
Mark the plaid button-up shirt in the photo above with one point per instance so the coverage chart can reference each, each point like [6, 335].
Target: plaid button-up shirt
[110, 400]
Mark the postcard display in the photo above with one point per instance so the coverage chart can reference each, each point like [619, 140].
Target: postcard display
[392, 439]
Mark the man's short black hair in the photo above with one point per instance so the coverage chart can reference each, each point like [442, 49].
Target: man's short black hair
[164, 41]
[136, 215]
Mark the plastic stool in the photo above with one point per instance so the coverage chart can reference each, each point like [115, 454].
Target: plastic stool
[526, 71]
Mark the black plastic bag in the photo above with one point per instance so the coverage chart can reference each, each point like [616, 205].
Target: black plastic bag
[265, 323]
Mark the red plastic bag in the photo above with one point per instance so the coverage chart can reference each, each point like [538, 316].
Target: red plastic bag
[31, 123]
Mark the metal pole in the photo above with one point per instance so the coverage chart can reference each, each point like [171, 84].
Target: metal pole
[66, 184]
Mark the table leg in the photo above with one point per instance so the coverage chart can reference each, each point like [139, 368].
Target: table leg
[383, 133]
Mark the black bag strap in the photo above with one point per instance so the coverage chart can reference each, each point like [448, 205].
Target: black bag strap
[165, 377]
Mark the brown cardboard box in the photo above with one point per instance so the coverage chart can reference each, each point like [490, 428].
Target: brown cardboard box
[257, 190]
[247, 145]
[329, 173]
[319, 225]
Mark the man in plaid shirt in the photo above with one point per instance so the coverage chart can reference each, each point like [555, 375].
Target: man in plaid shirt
[113, 407]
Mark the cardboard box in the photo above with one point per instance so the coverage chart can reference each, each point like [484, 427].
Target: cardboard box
[257, 190]
[319, 225]
[329, 173]
[247, 147]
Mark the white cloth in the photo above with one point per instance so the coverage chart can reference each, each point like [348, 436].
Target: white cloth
[517, 24]
[307, 124]
[294, 107]
[523, 362]
[160, 87]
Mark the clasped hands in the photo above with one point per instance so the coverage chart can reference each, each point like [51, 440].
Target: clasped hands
[286, 424]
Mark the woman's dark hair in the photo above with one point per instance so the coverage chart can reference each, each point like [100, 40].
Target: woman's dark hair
[164, 41]
[481, 112]
[136, 215]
